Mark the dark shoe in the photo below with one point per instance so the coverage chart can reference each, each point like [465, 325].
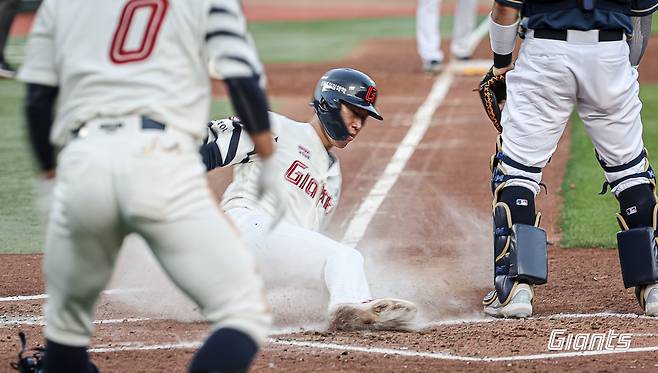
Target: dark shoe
[461, 58]
[432, 66]
[7, 71]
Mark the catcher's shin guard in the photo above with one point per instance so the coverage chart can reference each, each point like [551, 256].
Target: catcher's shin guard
[637, 242]
[520, 253]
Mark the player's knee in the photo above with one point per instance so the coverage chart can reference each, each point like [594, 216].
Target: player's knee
[350, 255]
[636, 205]
[622, 177]
[522, 175]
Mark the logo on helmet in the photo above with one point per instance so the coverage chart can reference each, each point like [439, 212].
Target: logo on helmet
[371, 95]
[326, 86]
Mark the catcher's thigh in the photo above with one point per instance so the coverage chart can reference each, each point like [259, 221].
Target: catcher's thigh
[610, 109]
[540, 98]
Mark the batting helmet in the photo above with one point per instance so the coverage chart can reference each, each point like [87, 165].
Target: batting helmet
[343, 85]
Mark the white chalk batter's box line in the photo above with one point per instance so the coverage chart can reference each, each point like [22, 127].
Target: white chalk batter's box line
[40, 320]
[403, 351]
[21, 298]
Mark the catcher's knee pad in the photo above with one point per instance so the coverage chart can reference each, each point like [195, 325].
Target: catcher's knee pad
[501, 163]
[637, 245]
[520, 253]
[641, 169]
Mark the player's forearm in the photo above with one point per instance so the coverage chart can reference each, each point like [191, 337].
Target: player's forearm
[251, 106]
[39, 112]
[250, 103]
[263, 143]
[503, 25]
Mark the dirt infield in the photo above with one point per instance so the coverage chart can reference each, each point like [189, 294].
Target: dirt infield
[433, 229]
[429, 241]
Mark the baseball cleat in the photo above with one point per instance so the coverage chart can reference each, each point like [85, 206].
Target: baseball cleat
[519, 304]
[7, 71]
[432, 66]
[378, 314]
[648, 298]
[461, 58]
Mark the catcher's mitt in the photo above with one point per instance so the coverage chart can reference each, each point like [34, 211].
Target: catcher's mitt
[492, 91]
[31, 363]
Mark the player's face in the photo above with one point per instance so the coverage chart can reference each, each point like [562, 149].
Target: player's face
[354, 119]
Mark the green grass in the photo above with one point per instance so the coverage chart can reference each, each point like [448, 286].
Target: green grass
[221, 108]
[310, 41]
[587, 219]
[330, 40]
[21, 227]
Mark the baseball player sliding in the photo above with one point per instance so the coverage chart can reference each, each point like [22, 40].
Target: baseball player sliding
[575, 53]
[133, 91]
[310, 174]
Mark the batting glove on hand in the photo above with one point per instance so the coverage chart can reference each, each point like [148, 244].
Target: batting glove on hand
[217, 127]
[269, 182]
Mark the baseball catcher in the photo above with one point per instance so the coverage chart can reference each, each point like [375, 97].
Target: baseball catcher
[310, 173]
[568, 45]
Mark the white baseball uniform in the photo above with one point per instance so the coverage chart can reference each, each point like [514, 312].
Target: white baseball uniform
[428, 35]
[134, 74]
[312, 178]
[549, 78]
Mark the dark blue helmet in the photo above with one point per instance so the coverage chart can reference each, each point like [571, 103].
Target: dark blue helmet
[343, 85]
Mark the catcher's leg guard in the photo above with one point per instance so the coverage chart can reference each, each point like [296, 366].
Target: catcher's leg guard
[637, 245]
[519, 245]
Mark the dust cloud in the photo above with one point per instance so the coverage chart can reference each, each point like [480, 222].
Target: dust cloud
[446, 284]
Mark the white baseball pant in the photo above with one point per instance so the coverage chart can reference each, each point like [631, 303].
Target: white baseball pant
[550, 77]
[151, 182]
[302, 255]
[428, 35]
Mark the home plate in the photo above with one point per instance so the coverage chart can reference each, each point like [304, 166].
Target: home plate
[470, 67]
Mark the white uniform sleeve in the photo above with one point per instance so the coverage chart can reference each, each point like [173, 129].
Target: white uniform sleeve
[39, 66]
[233, 142]
[230, 48]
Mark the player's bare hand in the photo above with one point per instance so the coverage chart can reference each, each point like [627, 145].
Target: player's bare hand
[270, 186]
